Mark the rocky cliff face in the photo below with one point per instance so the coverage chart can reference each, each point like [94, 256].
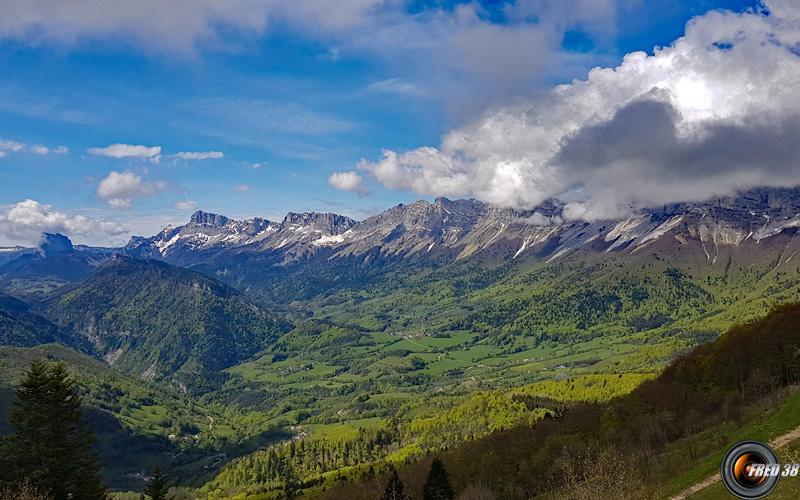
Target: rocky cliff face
[465, 228]
[54, 244]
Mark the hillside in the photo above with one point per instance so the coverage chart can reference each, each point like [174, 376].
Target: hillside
[139, 424]
[161, 322]
[666, 427]
[21, 327]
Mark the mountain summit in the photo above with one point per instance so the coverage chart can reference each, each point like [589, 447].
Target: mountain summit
[54, 244]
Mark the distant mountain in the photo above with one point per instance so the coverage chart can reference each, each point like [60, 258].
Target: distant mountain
[7, 254]
[204, 230]
[53, 263]
[313, 254]
[161, 322]
[206, 234]
[54, 244]
[465, 228]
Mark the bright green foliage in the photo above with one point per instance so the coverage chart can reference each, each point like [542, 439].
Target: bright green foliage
[158, 486]
[311, 458]
[437, 486]
[672, 423]
[305, 459]
[52, 446]
[479, 415]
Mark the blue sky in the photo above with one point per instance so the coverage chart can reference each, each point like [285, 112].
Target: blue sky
[287, 100]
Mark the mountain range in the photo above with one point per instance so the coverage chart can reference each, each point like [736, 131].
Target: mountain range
[320, 322]
[465, 228]
[453, 229]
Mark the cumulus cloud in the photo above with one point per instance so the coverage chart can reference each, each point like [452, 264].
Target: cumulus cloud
[348, 181]
[186, 205]
[241, 188]
[200, 155]
[120, 189]
[713, 113]
[23, 222]
[120, 151]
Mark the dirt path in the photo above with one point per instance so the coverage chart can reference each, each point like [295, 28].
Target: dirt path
[782, 441]
[418, 344]
[705, 483]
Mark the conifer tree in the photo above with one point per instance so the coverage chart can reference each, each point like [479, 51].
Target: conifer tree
[290, 482]
[158, 487]
[437, 486]
[52, 445]
[395, 489]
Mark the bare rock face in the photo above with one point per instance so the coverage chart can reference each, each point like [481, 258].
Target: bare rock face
[461, 229]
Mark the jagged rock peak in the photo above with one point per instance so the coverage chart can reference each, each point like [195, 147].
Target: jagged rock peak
[206, 218]
[331, 223]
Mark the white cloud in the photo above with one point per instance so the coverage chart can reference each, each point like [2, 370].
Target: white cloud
[199, 155]
[455, 53]
[23, 223]
[119, 151]
[539, 219]
[175, 26]
[463, 57]
[16, 147]
[241, 188]
[10, 146]
[713, 113]
[186, 205]
[44, 150]
[120, 189]
[348, 181]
